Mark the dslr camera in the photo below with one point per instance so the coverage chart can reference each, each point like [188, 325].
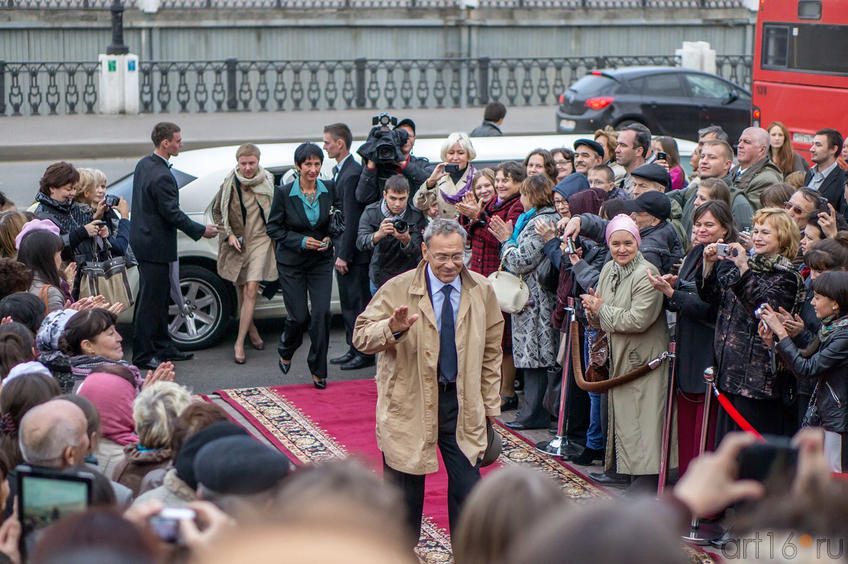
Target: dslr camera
[383, 144]
[400, 225]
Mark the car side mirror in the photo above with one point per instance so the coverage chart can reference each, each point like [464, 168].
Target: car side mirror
[731, 97]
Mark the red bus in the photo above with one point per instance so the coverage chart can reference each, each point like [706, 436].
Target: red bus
[800, 74]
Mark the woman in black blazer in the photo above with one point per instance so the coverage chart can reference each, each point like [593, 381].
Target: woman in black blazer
[299, 222]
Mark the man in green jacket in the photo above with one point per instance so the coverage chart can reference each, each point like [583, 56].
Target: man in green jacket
[755, 171]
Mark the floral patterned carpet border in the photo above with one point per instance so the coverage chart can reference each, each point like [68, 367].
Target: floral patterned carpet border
[291, 430]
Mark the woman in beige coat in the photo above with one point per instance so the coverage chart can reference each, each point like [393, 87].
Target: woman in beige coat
[627, 308]
[245, 252]
[447, 186]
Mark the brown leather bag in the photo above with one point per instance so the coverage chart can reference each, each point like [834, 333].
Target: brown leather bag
[598, 369]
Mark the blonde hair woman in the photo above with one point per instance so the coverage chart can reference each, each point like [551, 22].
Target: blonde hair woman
[91, 188]
[451, 178]
[245, 251]
[155, 411]
[745, 371]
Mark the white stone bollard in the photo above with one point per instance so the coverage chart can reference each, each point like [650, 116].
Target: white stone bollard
[118, 84]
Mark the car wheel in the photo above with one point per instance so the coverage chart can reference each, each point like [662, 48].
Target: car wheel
[207, 309]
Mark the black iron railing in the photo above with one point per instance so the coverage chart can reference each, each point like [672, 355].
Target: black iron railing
[34, 88]
[365, 4]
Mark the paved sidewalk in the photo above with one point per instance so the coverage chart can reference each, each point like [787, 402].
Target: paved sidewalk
[99, 136]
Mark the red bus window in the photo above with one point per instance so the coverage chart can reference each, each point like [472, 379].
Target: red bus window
[809, 10]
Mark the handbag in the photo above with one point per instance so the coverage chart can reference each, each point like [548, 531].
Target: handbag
[493, 446]
[511, 291]
[107, 278]
[598, 369]
[337, 223]
[811, 415]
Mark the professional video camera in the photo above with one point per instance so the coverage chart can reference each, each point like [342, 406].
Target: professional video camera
[383, 144]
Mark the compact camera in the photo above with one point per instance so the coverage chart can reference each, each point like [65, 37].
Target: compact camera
[724, 250]
[758, 313]
[570, 247]
[111, 200]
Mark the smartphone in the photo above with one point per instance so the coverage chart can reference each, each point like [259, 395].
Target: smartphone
[45, 496]
[166, 524]
[451, 168]
[662, 156]
[773, 461]
[99, 223]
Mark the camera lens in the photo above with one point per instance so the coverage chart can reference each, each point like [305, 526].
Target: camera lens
[400, 225]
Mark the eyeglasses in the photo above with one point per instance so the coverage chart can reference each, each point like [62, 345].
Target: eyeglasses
[445, 258]
[789, 206]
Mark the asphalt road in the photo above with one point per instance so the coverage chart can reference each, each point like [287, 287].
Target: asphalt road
[214, 368]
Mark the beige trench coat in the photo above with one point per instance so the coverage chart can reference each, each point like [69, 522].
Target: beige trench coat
[407, 391]
[231, 261]
[633, 318]
[426, 197]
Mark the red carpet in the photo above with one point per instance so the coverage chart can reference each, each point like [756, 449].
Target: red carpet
[311, 425]
[345, 410]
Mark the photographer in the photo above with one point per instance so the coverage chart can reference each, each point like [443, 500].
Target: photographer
[392, 230]
[764, 396]
[450, 179]
[386, 153]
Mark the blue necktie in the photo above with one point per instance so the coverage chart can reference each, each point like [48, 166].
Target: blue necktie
[447, 339]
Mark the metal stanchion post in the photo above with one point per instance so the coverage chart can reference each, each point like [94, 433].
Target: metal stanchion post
[665, 454]
[556, 446]
[704, 533]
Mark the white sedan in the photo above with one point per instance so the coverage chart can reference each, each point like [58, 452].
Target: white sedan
[212, 301]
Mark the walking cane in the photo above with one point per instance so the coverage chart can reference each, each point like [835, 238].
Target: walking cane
[556, 446]
[703, 533]
[665, 454]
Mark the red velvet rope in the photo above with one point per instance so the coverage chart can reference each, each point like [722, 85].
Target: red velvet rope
[735, 415]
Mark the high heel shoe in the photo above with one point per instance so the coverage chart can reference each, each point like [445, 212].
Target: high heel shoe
[237, 358]
[319, 383]
[260, 346]
[284, 366]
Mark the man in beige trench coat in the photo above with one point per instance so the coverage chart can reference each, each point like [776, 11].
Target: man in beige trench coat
[438, 331]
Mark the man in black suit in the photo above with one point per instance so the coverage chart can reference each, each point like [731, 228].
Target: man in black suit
[351, 263]
[156, 216]
[825, 175]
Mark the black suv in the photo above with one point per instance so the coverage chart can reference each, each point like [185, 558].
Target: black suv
[669, 100]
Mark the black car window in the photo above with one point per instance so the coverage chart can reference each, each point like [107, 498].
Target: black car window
[593, 85]
[667, 84]
[708, 87]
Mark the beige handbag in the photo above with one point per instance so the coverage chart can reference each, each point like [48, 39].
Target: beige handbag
[511, 291]
[106, 278]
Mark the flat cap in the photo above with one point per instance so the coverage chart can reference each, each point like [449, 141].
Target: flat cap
[655, 203]
[240, 465]
[655, 173]
[594, 145]
[184, 464]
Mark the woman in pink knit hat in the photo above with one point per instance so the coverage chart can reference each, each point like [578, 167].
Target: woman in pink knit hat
[627, 308]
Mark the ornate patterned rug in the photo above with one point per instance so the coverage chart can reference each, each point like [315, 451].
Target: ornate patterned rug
[311, 426]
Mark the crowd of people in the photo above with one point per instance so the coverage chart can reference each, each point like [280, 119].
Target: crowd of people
[739, 265]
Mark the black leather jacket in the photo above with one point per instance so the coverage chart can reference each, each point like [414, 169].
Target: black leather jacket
[827, 365]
